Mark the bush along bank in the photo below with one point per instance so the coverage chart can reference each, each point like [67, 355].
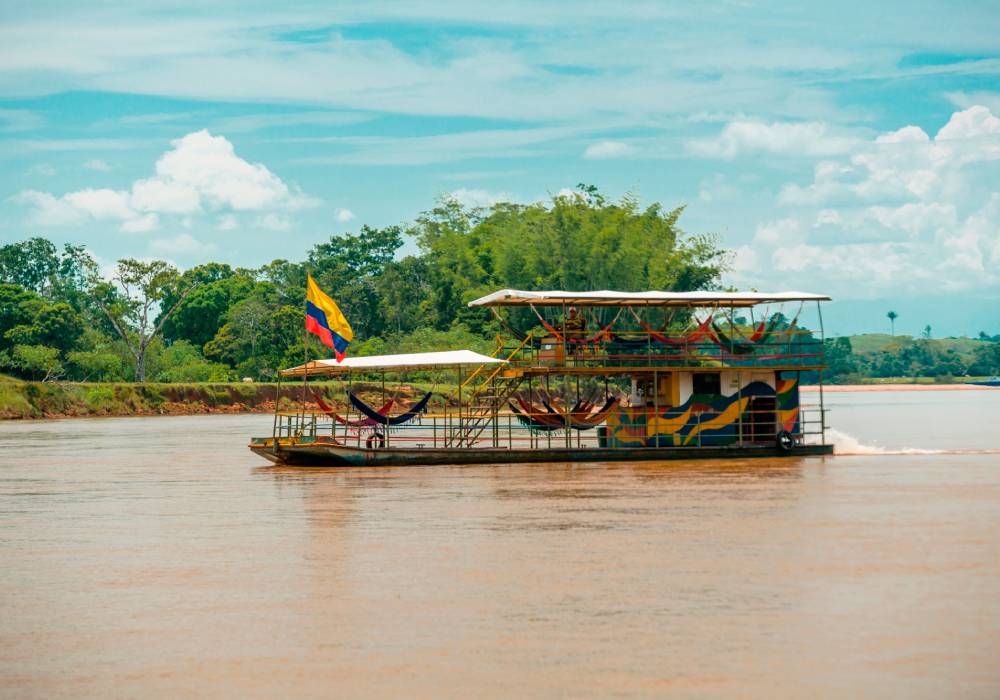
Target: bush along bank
[20, 399]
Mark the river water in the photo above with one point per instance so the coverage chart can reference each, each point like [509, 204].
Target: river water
[158, 557]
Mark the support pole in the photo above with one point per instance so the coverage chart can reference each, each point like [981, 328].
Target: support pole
[274, 427]
[822, 406]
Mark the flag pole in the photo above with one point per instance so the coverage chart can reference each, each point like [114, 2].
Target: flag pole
[305, 356]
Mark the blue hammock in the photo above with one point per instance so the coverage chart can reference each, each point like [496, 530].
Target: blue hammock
[377, 417]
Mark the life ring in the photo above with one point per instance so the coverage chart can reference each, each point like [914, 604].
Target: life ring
[375, 440]
[785, 441]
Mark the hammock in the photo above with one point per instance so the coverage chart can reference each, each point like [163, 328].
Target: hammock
[534, 419]
[692, 337]
[762, 335]
[596, 338]
[732, 344]
[550, 420]
[516, 334]
[361, 423]
[382, 419]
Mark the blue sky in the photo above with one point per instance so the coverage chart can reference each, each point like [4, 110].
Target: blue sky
[852, 148]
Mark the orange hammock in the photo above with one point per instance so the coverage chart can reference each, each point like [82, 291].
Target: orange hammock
[549, 420]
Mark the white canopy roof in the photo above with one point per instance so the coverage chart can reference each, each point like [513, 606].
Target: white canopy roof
[376, 363]
[517, 297]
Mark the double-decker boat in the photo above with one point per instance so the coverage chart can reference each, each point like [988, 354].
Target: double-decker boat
[600, 376]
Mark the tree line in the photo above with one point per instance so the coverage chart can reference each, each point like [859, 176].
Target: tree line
[62, 317]
[943, 359]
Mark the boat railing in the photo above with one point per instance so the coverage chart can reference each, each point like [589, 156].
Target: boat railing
[790, 349]
[441, 429]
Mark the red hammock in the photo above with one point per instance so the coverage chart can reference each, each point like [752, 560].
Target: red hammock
[693, 337]
[362, 423]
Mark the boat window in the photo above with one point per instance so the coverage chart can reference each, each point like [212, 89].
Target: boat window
[707, 383]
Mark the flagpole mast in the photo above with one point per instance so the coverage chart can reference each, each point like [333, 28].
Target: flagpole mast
[305, 361]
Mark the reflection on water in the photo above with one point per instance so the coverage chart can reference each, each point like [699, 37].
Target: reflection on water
[157, 556]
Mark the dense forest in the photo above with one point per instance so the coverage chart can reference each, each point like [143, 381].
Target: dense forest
[61, 318]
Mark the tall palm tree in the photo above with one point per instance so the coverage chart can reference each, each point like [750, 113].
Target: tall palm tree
[892, 316]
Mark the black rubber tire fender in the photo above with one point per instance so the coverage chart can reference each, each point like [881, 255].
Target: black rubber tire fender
[785, 441]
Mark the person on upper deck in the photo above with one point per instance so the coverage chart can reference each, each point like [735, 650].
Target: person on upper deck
[573, 326]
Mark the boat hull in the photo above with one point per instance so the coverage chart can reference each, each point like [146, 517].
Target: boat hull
[337, 455]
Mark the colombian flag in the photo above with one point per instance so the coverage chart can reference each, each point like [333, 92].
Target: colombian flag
[323, 318]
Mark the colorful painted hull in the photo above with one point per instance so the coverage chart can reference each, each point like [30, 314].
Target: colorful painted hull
[710, 421]
[332, 454]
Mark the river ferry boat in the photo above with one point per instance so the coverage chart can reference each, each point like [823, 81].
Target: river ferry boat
[576, 377]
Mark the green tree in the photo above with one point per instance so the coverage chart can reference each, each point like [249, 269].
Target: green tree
[892, 316]
[37, 361]
[131, 302]
[573, 242]
[840, 358]
[29, 264]
[200, 314]
[183, 362]
[986, 360]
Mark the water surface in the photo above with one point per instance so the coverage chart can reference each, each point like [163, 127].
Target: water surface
[158, 556]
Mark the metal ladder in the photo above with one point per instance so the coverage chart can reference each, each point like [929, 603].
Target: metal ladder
[486, 398]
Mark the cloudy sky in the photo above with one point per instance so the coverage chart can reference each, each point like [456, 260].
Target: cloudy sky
[849, 147]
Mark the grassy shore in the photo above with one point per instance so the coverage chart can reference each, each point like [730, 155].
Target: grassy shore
[20, 399]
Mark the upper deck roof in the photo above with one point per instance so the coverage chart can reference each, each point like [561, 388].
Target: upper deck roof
[517, 297]
[377, 363]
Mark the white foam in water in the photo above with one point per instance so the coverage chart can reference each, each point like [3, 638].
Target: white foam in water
[844, 444]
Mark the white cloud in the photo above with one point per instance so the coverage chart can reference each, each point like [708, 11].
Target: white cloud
[474, 198]
[746, 137]
[227, 222]
[964, 100]
[42, 169]
[608, 149]
[903, 211]
[274, 222]
[141, 224]
[344, 215]
[48, 210]
[166, 196]
[182, 244]
[745, 262]
[204, 171]
[102, 203]
[97, 164]
[717, 188]
[200, 174]
[783, 231]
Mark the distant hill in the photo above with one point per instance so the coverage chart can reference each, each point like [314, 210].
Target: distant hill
[871, 356]
[883, 342]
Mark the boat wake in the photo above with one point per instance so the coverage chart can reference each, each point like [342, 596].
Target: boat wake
[844, 444]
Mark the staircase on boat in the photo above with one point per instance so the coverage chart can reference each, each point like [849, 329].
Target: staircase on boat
[490, 387]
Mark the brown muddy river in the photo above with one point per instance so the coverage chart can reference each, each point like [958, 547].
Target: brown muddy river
[158, 557]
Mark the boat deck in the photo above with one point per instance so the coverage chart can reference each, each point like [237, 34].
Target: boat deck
[331, 453]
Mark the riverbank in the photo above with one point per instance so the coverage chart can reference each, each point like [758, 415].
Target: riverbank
[24, 400]
[836, 388]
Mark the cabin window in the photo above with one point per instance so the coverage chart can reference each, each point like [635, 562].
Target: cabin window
[707, 383]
